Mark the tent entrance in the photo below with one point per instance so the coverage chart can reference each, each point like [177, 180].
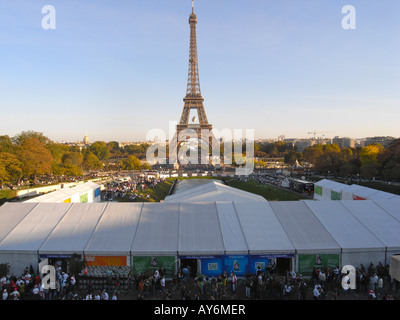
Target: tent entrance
[191, 264]
[283, 265]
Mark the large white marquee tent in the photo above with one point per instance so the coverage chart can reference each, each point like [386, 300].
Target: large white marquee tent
[356, 231]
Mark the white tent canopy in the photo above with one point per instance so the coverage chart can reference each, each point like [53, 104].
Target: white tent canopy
[305, 231]
[115, 231]
[158, 230]
[232, 233]
[11, 214]
[263, 232]
[199, 230]
[359, 245]
[73, 232]
[19, 247]
[360, 231]
[384, 226]
[391, 206]
[213, 191]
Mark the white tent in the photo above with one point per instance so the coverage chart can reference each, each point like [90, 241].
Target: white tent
[383, 195]
[359, 245]
[348, 191]
[158, 230]
[232, 233]
[213, 191]
[71, 193]
[20, 247]
[384, 226]
[199, 230]
[85, 192]
[305, 231]
[11, 214]
[331, 190]
[115, 231]
[73, 232]
[391, 206]
[262, 230]
[364, 193]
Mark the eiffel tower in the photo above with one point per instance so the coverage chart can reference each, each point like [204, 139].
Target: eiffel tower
[193, 123]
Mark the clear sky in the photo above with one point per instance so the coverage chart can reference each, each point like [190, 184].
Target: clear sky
[118, 68]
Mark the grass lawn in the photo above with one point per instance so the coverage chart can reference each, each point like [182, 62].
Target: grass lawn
[269, 192]
[8, 194]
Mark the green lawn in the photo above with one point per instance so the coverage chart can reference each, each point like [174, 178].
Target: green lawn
[8, 194]
[269, 192]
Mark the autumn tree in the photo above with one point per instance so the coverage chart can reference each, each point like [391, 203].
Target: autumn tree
[10, 167]
[35, 158]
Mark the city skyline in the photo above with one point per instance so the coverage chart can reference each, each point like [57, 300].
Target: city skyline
[116, 70]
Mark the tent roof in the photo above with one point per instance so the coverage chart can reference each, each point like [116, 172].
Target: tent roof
[116, 229]
[347, 230]
[199, 229]
[74, 230]
[391, 206]
[263, 232]
[213, 191]
[37, 225]
[65, 193]
[384, 226]
[305, 231]
[157, 232]
[11, 214]
[232, 233]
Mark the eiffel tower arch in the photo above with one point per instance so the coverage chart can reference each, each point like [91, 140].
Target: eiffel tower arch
[193, 132]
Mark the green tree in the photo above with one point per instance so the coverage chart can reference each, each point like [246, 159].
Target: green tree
[19, 139]
[131, 163]
[311, 154]
[291, 157]
[91, 162]
[6, 144]
[100, 150]
[72, 158]
[146, 166]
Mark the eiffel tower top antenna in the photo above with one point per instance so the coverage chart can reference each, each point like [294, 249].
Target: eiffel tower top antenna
[192, 6]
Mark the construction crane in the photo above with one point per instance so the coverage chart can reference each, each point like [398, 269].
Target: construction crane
[315, 133]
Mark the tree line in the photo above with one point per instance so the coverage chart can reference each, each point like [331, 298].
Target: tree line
[30, 154]
[372, 161]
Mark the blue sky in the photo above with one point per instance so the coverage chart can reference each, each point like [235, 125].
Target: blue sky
[117, 69]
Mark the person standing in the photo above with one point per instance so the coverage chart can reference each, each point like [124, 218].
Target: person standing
[234, 282]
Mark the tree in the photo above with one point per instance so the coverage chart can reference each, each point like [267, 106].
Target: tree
[10, 167]
[72, 159]
[100, 150]
[91, 162]
[311, 154]
[131, 163]
[291, 157]
[35, 158]
[146, 166]
[25, 135]
[6, 144]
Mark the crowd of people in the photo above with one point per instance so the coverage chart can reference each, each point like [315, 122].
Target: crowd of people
[326, 283]
[28, 286]
[131, 187]
[32, 287]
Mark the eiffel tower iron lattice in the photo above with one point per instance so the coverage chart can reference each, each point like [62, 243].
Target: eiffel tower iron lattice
[193, 123]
